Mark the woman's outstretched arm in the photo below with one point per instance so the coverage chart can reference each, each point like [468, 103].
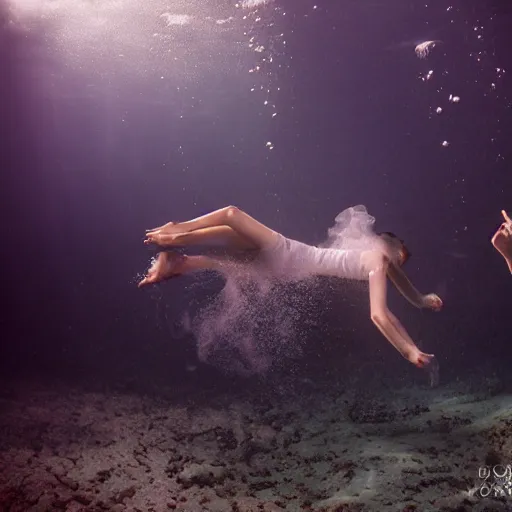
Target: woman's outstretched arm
[380, 314]
[390, 326]
[406, 288]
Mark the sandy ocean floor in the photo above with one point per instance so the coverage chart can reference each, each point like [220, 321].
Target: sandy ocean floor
[304, 446]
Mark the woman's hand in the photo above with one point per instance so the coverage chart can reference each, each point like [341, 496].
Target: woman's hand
[502, 239]
[433, 302]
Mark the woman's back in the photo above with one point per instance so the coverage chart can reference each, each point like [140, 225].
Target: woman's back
[295, 260]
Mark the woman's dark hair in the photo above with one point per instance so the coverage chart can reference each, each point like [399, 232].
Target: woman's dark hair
[406, 252]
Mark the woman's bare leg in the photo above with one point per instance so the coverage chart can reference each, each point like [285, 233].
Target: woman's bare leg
[215, 236]
[170, 264]
[249, 228]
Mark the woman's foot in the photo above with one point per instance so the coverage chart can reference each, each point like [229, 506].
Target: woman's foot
[171, 228]
[429, 363]
[165, 266]
[161, 239]
[164, 236]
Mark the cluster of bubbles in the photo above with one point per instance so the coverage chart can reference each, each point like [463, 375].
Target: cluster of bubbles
[267, 40]
[424, 50]
[256, 322]
[268, 43]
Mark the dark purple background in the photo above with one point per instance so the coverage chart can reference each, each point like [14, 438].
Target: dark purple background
[77, 191]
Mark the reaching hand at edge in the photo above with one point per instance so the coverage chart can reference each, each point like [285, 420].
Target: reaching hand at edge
[502, 239]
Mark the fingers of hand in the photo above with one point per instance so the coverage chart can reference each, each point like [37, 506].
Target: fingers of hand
[506, 217]
[506, 228]
[435, 302]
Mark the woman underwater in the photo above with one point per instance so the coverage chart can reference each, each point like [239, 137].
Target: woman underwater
[353, 251]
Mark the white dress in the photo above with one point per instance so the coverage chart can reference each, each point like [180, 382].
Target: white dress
[339, 256]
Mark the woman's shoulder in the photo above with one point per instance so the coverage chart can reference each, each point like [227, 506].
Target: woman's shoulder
[373, 258]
